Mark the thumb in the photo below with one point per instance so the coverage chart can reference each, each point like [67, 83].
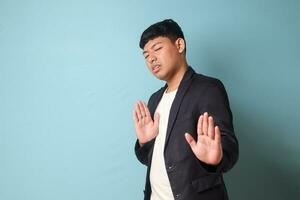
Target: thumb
[191, 141]
[156, 119]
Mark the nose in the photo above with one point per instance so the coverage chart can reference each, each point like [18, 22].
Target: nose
[152, 58]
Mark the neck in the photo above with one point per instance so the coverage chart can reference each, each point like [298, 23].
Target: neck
[175, 80]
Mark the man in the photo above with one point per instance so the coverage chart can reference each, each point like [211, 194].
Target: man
[185, 134]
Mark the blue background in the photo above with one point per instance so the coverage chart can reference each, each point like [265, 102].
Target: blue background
[71, 71]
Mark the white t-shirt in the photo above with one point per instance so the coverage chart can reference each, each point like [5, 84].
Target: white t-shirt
[160, 184]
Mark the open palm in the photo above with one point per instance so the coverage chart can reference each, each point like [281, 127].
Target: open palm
[146, 129]
[208, 147]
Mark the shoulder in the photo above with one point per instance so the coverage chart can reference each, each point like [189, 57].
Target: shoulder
[206, 82]
[209, 89]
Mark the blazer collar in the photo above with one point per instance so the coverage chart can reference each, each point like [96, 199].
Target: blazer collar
[187, 75]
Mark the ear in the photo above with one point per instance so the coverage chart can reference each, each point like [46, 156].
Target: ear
[180, 44]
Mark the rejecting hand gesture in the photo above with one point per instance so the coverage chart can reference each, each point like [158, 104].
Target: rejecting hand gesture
[146, 129]
[208, 147]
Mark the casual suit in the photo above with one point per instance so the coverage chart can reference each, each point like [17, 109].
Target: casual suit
[190, 178]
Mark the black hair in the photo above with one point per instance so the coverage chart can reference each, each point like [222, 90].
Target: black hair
[166, 28]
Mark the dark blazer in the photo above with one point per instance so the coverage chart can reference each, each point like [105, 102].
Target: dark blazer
[190, 178]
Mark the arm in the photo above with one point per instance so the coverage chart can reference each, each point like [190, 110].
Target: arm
[146, 131]
[142, 152]
[216, 147]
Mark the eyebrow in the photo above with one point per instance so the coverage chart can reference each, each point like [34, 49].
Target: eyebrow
[152, 46]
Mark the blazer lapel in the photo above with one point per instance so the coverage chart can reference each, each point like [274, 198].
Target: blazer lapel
[182, 89]
[157, 100]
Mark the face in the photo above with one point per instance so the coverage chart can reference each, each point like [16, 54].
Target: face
[163, 56]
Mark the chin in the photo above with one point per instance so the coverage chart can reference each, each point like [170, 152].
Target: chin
[162, 78]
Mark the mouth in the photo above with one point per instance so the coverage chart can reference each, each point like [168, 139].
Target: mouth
[155, 68]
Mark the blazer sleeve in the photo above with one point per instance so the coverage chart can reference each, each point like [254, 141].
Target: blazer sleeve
[217, 106]
[142, 153]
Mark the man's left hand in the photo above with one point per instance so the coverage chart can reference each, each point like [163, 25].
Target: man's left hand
[208, 147]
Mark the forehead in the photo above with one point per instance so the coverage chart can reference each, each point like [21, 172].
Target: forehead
[155, 41]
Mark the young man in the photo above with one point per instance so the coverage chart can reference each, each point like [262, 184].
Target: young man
[185, 134]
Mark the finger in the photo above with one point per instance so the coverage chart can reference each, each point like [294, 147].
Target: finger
[142, 118]
[147, 113]
[138, 111]
[135, 117]
[142, 109]
[211, 129]
[205, 124]
[191, 141]
[144, 112]
[217, 134]
[199, 126]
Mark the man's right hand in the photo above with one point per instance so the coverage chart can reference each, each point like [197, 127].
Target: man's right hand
[145, 128]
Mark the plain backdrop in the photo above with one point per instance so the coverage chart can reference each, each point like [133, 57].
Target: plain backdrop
[71, 71]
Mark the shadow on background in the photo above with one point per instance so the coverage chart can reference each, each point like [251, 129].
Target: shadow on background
[268, 165]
